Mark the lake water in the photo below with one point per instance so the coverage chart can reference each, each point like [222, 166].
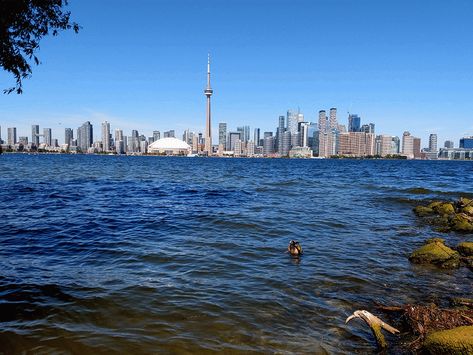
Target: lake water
[107, 254]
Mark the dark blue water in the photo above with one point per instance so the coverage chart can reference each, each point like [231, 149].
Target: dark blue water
[103, 254]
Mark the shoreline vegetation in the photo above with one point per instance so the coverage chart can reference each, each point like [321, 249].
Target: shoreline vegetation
[431, 328]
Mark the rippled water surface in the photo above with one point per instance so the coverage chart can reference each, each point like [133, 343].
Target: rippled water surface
[104, 254]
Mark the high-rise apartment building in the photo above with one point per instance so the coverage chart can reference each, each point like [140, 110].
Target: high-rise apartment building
[268, 145]
[279, 133]
[231, 140]
[47, 137]
[118, 135]
[433, 143]
[293, 120]
[416, 148]
[35, 135]
[367, 128]
[408, 145]
[385, 146]
[169, 134]
[328, 133]
[333, 124]
[222, 135]
[106, 136]
[11, 140]
[356, 144]
[68, 136]
[85, 136]
[285, 144]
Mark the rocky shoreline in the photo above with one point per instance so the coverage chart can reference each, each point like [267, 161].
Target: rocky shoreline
[436, 330]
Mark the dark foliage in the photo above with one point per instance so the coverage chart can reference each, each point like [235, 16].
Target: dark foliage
[23, 23]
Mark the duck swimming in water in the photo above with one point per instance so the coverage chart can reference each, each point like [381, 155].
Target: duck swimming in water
[294, 248]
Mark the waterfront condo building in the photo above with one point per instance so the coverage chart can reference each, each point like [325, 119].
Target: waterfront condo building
[356, 144]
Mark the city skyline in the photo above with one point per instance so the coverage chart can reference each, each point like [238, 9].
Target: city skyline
[326, 55]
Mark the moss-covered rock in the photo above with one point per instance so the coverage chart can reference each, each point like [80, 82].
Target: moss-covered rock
[448, 216]
[434, 204]
[465, 248]
[463, 201]
[422, 211]
[461, 223]
[435, 252]
[453, 341]
[445, 208]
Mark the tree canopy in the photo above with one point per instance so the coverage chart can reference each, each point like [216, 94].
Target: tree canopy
[23, 23]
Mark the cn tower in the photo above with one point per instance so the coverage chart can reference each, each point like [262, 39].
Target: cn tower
[208, 131]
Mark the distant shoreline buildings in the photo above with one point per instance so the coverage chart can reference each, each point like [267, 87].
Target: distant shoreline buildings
[294, 137]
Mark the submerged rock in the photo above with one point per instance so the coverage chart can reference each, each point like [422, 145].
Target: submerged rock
[435, 252]
[465, 248]
[453, 341]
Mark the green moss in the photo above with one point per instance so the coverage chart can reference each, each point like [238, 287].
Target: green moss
[468, 210]
[436, 253]
[435, 240]
[461, 223]
[444, 208]
[434, 204]
[453, 341]
[422, 211]
[465, 248]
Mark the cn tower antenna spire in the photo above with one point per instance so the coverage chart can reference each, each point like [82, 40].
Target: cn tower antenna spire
[208, 71]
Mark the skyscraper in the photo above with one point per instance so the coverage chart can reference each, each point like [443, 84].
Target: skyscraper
[268, 145]
[68, 136]
[285, 144]
[354, 122]
[208, 123]
[304, 134]
[48, 137]
[106, 136]
[246, 133]
[433, 143]
[118, 135]
[156, 135]
[322, 121]
[257, 137]
[169, 134]
[232, 137]
[11, 136]
[35, 134]
[333, 124]
[280, 132]
[408, 145]
[85, 136]
[222, 135]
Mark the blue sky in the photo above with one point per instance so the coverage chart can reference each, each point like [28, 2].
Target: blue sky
[404, 65]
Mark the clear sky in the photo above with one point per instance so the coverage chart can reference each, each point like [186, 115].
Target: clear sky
[402, 64]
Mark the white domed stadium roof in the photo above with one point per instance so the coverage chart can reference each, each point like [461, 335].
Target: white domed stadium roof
[169, 143]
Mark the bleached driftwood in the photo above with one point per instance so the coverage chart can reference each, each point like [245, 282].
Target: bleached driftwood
[375, 324]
